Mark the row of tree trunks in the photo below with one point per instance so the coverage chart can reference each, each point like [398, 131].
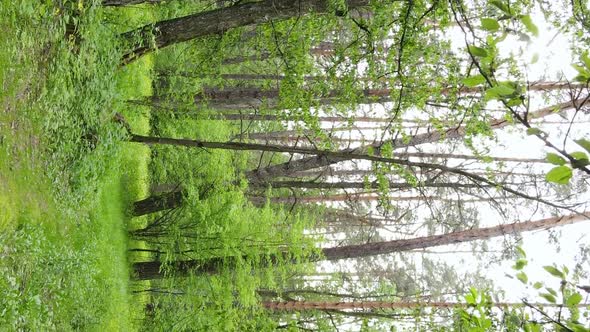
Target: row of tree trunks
[154, 269]
[214, 22]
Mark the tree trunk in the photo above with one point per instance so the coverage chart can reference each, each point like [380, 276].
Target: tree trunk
[120, 3]
[152, 270]
[364, 185]
[307, 163]
[164, 187]
[365, 197]
[363, 305]
[158, 203]
[332, 172]
[243, 98]
[331, 157]
[214, 22]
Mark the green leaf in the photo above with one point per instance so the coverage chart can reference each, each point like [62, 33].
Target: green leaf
[530, 26]
[548, 297]
[522, 277]
[499, 91]
[474, 80]
[533, 131]
[500, 5]
[577, 327]
[559, 175]
[551, 291]
[520, 251]
[583, 143]
[582, 78]
[520, 264]
[579, 155]
[537, 285]
[555, 159]
[535, 58]
[490, 24]
[585, 59]
[532, 327]
[573, 300]
[478, 51]
[554, 271]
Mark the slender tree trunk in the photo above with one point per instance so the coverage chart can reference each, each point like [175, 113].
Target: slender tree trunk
[318, 161]
[158, 203]
[332, 172]
[324, 48]
[364, 185]
[364, 197]
[164, 187]
[214, 22]
[120, 3]
[363, 305]
[244, 98]
[152, 270]
[337, 156]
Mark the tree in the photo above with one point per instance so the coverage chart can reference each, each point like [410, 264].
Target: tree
[158, 202]
[337, 156]
[287, 168]
[154, 269]
[165, 33]
[121, 3]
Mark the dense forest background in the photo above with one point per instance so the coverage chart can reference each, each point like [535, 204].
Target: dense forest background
[299, 165]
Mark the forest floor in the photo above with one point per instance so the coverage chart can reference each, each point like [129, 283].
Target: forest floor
[66, 176]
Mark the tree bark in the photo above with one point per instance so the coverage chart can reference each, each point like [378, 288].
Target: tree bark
[243, 98]
[158, 203]
[214, 22]
[365, 197]
[153, 270]
[364, 185]
[362, 305]
[121, 3]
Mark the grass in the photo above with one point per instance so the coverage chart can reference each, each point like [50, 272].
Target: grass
[66, 177]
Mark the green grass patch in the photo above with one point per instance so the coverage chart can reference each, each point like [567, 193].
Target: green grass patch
[66, 177]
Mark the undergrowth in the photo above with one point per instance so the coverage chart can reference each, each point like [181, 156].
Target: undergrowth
[63, 192]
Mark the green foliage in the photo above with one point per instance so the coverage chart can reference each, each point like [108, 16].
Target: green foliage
[528, 316]
[555, 159]
[490, 24]
[473, 81]
[559, 175]
[530, 26]
[478, 51]
[501, 5]
[63, 242]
